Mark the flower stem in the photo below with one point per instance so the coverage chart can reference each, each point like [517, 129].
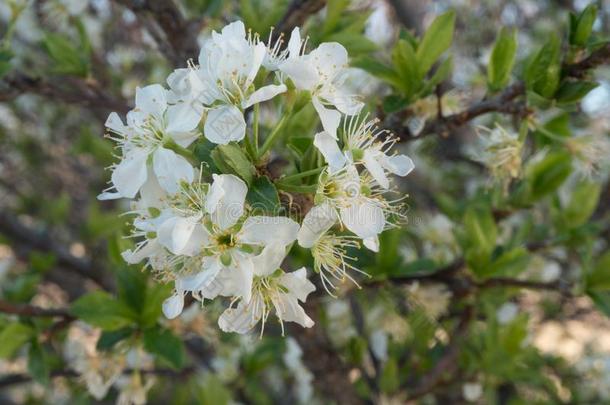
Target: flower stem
[255, 130]
[170, 144]
[303, 189]
[272, 137]
[296, 176]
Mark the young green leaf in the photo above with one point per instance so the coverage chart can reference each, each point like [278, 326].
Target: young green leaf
[582, 26]
[12, 337]
[166, 345]
[545, 176]
[502, 59]
[543, 71]
[583, 202]
[102, 310]
[262, 196]
[436, 40]
[572, 92]
[67, 58]
[38, 365]
[231, 159]
[406, 65]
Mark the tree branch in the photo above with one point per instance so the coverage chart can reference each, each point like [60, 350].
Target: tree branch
[34, 311]
[13, 379]
[297, 13]
[179, 42]
[505, 102]
[72, 90]
[39, 240]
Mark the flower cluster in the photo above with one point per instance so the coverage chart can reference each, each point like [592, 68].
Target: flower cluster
[199, 230]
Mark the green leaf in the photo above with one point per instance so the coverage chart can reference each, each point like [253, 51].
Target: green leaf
[406, 65]
[599, 277]
[262, 196]
[5, 62]
[543, 71]
[571, 92]
[545, 176]
[67, 58]
[601, 300]
[212, 391]
[12, 337]
[152, 310]
[394, 103]
[334, 10]
[583, 202]
[166, 345]
[510, 263]
[378, 69]
[103, 310]
[502, 59]
[480, 228]
[441, 73]
[436, 40]
[231, 159]
[582, 26]
[108, 339]
[389, 381]
[38, 365]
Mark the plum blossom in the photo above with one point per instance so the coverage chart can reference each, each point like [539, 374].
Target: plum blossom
[221, 87]
[323, 73]
[365, 144]
[150, 128]
[272, 289]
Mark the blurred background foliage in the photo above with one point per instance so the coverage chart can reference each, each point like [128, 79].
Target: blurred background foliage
[497, 290]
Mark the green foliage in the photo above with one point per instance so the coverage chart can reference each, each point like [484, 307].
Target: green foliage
[436, 41]
[231, 159]
[12, 337]
[582, 204]
[581, 25]
[543, 71]
[67, 58]
[413, 61]
[102, 310]
[38, 364]
[262, 196]
[166, 345]
[502, 59]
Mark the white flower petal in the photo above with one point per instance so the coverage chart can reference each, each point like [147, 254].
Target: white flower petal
[225, 200]
[372, 243]
[330, 118]
[316, 223]
[263, 230]
[151, 99]
[400, 165]
[173, 306]
[264, 94]
[374, 167]
[256, 60]
[202, 280]
[297, 284]
[243, 318]
[170, 169]
[327, 145]
[303, 75]
[364, 218]
[114, 123]
[329, 58]
[130, 174]
[151, 248]
[242, 274]
[225, 124]
[183, 116]
[294, 44]
[269, 260]
[176, 233]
